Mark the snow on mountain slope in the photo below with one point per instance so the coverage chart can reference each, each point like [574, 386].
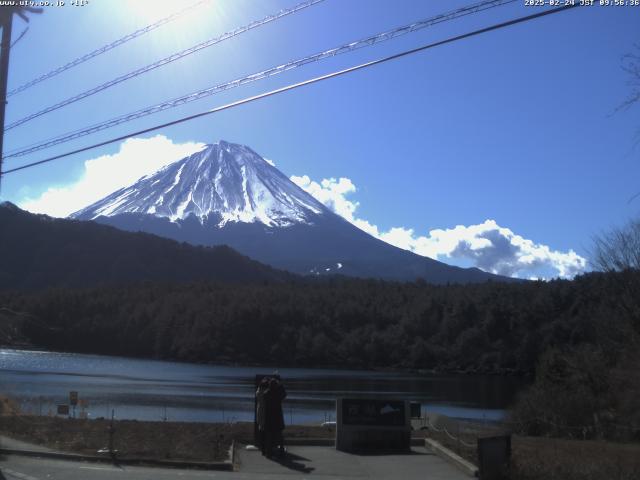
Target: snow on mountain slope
[227, 194]
[225, 180]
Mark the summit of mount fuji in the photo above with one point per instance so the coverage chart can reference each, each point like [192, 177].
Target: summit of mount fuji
[226, 181]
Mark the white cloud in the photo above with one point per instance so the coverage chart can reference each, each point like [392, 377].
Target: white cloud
[487, 245]
[333, 194]
[106, 174]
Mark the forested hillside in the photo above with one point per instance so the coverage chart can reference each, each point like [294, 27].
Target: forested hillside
[490, 327]
[39, 251]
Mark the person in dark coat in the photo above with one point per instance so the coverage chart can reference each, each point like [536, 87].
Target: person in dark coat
[274, 418]
[261, 414]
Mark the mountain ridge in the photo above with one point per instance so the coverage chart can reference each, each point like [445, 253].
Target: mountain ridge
[228, 194]
[242, 187]
[40, 251]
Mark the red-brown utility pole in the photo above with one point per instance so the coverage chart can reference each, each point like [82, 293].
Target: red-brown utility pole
[6, 21]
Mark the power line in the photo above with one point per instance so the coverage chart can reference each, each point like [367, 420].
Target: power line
[348, 47]
[106, 48]
[301, 84]
[164, 61]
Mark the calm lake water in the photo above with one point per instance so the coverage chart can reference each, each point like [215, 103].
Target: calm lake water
[154, 390]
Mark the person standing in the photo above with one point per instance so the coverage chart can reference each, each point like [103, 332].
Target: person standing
[261, 414]
[274, 420]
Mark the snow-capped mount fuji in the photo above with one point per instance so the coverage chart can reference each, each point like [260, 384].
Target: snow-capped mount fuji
[224, 181]
[228, 194]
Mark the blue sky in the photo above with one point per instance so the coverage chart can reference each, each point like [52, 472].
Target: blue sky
[502, 151]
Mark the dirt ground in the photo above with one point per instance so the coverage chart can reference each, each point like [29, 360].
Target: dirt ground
[558, 459]
[542, 458]
[532, 458]
[166, 440]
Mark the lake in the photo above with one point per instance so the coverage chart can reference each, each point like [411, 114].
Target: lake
[157, 390]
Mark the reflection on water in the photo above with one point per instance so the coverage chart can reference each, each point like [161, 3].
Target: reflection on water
[154, 390]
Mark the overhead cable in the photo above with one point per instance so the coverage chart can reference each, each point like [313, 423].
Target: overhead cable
[106, 48]
[348, 47]
[163, 61]
[300, 84]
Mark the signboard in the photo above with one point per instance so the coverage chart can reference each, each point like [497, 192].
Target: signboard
[73, 398]
[373, 412]
[63, 409]
[372, 425]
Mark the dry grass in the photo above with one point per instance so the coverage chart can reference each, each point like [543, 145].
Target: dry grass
[534, 458]
[542, 458]
[557, 459]
[8, 406]
[164, 440]
[168, 440]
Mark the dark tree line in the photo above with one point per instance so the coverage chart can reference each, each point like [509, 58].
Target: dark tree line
[39, 251]
[491, 327]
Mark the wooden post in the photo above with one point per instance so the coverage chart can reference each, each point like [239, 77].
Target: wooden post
[112, 430]
[6, 18]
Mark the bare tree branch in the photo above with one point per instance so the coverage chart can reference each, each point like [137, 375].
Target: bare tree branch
[631, 65]
[619, 249]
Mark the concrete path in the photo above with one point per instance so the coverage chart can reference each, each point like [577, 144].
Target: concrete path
[327, 462]
[13, 444]
[15, 467]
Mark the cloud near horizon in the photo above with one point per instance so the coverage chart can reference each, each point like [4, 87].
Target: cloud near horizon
[103, 175]
[487, 245]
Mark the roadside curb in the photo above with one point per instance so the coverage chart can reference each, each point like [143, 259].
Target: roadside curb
[309, 442]
[451, 457]
[331, 442]
[226, 466]
[232, 455]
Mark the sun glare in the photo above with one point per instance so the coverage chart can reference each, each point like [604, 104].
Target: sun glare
[195, 21]
[153, 9]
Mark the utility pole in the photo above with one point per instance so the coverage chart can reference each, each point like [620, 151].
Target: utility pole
[6, 17]
[6, 22]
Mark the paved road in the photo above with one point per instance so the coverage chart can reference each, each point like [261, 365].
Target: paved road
[14, 467]
[303, 463]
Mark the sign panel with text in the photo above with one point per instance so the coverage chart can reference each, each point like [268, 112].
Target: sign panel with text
[372, 424]
[373, 412]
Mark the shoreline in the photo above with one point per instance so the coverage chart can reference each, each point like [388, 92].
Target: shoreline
[507, 373]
